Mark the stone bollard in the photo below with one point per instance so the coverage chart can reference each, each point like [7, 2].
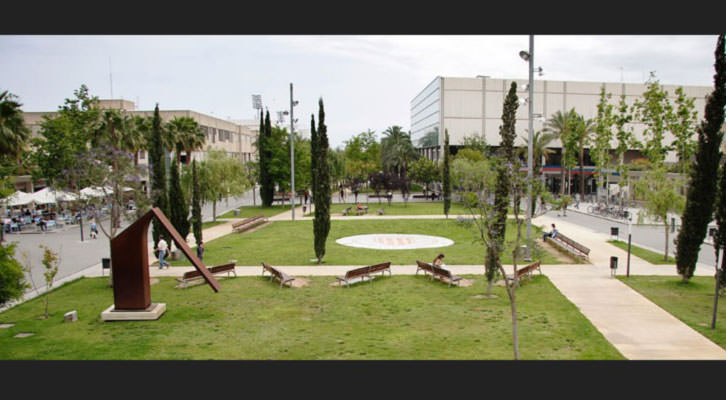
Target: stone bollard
[70, 316]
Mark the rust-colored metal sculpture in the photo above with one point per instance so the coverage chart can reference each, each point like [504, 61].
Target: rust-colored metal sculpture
[130, 262]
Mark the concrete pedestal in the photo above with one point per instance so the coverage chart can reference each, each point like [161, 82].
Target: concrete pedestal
[154, 312]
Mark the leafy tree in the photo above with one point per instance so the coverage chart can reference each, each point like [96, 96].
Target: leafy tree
[446, 176]
[380, 181]
[582, 130]
[704, 174]
[50, 261]
[662, 196]
[12, 280]
[157, 165]
[655, 112]
[683, 126]
[626, 140]
[570, 147]
[425, 172]
[321, 222]
[196, 205]
[476, 142]
[490, 219]
[222, 176]
[179, 208]
[604, 121]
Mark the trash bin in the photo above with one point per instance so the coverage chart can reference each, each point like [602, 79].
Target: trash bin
[236, 213]
[105, 264]
[613, 265]
[614, 231]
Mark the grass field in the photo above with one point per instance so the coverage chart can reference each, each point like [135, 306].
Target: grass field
[400, 317]
[210, 224]
[412, 208]
[251, 211]
[291, 243]
[690, 302]
[647, 255]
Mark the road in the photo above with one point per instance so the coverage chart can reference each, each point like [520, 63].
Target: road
[647, 236]
[75, 255]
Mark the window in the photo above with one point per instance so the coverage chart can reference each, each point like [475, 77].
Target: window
[142, 155]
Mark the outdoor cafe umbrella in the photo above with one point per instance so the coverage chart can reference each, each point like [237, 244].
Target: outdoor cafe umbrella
[19, 198]
[95, 191]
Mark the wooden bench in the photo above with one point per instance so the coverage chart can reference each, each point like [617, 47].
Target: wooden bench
[381, 211]
[248, 223]
[362, 210]
[195, 275]
[346, 211]
[277, 274]
[364, 273]
[437, 272]
[569, 246]
[525, 272]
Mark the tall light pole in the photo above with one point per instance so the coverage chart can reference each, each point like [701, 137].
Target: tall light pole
[529, 57]
[292, 154]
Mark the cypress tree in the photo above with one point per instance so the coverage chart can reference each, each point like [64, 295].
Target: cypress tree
[501, 192]
[446, 177]
[158, 176]
[313, 156]
[267, 189]
[703, 174]
[321, 223]
[178, 208]
[196, 205]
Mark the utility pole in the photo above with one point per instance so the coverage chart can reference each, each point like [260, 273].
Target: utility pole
[292, 154]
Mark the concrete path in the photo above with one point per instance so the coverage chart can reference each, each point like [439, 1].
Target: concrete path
[637, 327]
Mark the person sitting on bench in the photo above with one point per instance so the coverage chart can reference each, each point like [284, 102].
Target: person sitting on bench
[551, 234]
[439, 260]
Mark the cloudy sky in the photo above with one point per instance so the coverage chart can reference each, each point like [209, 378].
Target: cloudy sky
[366, 82]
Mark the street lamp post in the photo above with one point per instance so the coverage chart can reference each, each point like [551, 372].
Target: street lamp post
[529, 57]
[292, 154]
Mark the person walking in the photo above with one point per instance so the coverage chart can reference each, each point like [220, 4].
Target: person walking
[200, 250]
[94, 229]
[161, 248]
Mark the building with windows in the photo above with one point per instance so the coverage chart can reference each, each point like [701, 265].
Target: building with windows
[473, 106]
[236, 139]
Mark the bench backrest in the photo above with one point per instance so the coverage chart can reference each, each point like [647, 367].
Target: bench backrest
[213, 270]
[528, 268]
[354, 273]
[425, 266]
[572, 243]
[380, 267]
[441, 271]
[247, 221]
[272, 270]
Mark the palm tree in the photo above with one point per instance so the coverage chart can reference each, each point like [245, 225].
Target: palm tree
[185, 135]
[397, 150]
[540, 153]
[14, 134]
[560, 125]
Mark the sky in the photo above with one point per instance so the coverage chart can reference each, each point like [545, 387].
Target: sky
[366, 82]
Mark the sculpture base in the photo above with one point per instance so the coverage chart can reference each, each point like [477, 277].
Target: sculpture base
[154, 312]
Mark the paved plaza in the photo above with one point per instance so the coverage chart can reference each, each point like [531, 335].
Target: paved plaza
[637, 327]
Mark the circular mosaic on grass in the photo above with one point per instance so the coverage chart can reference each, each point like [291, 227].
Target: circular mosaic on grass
[394, 241]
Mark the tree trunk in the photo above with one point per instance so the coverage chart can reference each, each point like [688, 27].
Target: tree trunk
[665, 255]
[582, 173]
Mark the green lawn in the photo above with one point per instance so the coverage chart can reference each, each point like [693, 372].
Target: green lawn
[690, 302]
[291, 243]
[647, 255]
[210, 224]
[251, 211]
[400, 317]
[412, 208]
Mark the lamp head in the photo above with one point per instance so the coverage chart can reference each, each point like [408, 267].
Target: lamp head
[524, 55]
